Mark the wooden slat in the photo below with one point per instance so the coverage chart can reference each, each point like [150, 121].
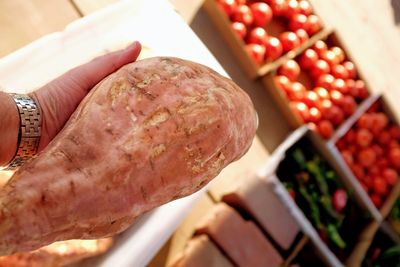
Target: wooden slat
[23, 21]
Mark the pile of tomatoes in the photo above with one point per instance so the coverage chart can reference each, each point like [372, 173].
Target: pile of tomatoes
[336, 89]
[372, 151]
[249, 19]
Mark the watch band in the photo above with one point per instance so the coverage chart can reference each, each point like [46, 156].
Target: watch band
[29, 132]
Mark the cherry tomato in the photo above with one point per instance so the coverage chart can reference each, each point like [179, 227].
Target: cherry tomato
[339, 200]
[351, 69]
[289, 41]
[311, 99]
[305, 7]
[365, 121]
[256, 52]
[394, 132]
[336, 115]
[243, 14]
[358, 171]
[301, 110]
[322, 92]
[325, 129]
[240, 29]
[325, 106]
[241, 2]
[282, 82]
[262, 14]
[292, 8]
[348, 157]
[340, 85]
[362, 92]
[339, 53]
[351, 85]
[394, 157]
[315, 115]
[350, 136]
[326, 81]
[380, 121]
[320, 47]
[349, 105]
[313, 25]
[391, 176]
[228, 6]
[378, 151]
[273, 48]
[321, 67]
[279, 7]
[339, 71]
[364, 138]
[380, 186]
[303, 35]
[330, 57]
[336, 97]
[341, 145]
[257, 36]
[376, 199]
[290, 69]
[297, 91]
[308, 58]
[298, 21]
[366, 157]
[393, 144]
[384, 138]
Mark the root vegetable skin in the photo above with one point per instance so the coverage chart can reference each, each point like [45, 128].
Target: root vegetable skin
[156, 130]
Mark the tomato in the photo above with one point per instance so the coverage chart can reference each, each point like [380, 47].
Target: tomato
[380, 121]
[353, 148]
[320, 47]
[364, 138]
[349, 105]
[303, 35]
[282, 82]
[339, 53]
[297, 92]
[313, 25]
[380, 186]
[330, 57]
[298, 21]
[262, 14]
[340, 85]
[336, 115]
[384, 138]
[365, 121]
[301, 110]
[351, 69]
[366, 157]
[381, 163]
[325, 129]
[243, 14]
[315, 115]
[325, 80]
[321, 67]
[290, 69]
[257, 36]
[339, 71]
[394, 132]
[273, 48]
[362, 92]
[341, 145]
[325, 106]
[350, 136]
[308, 59]
[390, 175]
[305, 7]
[364, 186]
[376, 199]
[241, 2]
[351, 87]
[322, 92]
[336, 97]
[292, 8]
[289, 41]
[393, 144]
[339, 200]
[348, 157]
[240, 29]
[394, 157]
[279, 7]
[378, 151]
[256, 52]
[311, 99]
[358, 171]
[228, 6]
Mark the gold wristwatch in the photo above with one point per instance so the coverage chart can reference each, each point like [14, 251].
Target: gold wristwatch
[29, 130]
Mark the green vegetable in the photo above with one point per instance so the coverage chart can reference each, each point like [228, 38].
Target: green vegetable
[314, 209]
[395, 213]
[299, 157]
[326, 203]
[313, 168]
[391, 252]
[334, 236]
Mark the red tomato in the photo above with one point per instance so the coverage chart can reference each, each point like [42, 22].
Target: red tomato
[330, 57]
[380, 186]
[273, 48]
[322, 92]
[349, 105]
[350, 136]
[228, 6]
[365, 121]
[364, 186]
[339, 71]
[312, 99]
[326, 81]
[373, 171]
[290, 69]
[256, 52]
[362, 92]
[243, 14]
[320, 47]
[289, 41]
[351, 87]
[301, 110]
[351, 69]
[303, 35]
[315, 115]
[262, 14]
[257, 36]
[339, 53]
[325, 129]
[283, 83]
[305, 7]
[292, 8]
[394, 132]
[341, 145]
[308, 58]
[378, 151]
[394, 157]
[358, 171]
[366, 157]
[339, 200]
[240, 29]
[313, 25]
[382, 163]
[393, 144]
[376, 199]
[384, 138]
[325, 106]
[364, 137]
[380, 121]
[241, 2]
[298, 21]
[279, 7]
[348, 157]
[340, 85]
[336, 97]
[391, 176]
[297, 92]
[321, 67]
[336, 115]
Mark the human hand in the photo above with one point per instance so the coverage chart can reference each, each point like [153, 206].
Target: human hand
[59, 98]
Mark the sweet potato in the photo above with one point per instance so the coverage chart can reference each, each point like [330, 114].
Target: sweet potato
[155, 130]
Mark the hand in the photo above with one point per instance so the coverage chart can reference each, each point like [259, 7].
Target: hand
[59, 98]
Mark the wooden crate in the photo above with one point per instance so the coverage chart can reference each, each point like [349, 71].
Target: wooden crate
[237, 45]
[332, 38]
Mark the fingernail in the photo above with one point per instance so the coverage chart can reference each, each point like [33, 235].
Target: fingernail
[135, 44]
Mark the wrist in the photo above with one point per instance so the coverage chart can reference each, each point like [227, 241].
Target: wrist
[9, 128]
